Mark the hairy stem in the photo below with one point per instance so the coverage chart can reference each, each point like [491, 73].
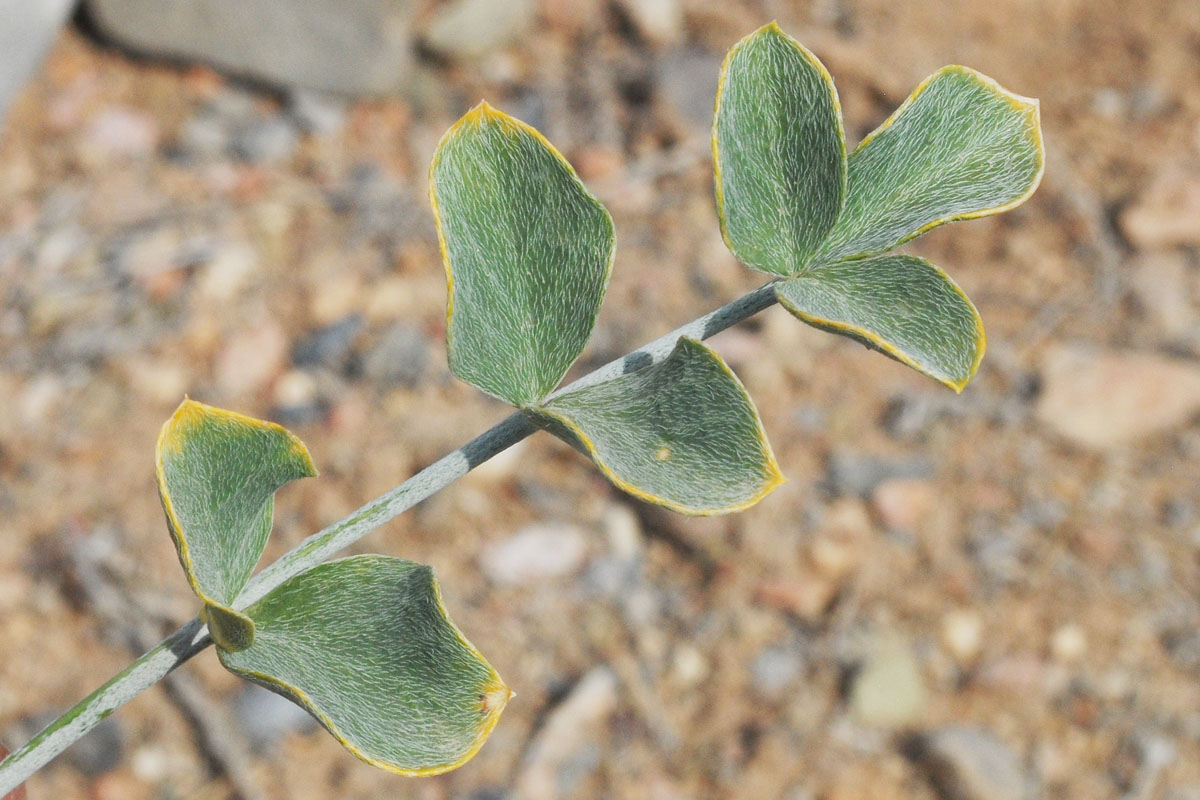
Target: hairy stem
[193, 636]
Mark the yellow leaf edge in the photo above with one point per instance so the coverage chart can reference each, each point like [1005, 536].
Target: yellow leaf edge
[887, 347]
[171, 440]
[482, 113]
[1029, 107]
[775, 476]
[771, 28]
[493, 697]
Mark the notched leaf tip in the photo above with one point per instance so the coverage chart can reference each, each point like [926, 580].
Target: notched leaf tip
[230, 629]
[190, 414]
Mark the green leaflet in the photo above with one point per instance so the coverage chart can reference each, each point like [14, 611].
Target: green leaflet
[528, 252]
[682, 433]
[217, 476]
[959, 147]
[365, 645]
[779, 153]
[900, 305]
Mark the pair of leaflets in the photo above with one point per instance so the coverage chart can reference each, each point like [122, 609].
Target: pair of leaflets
[528, 253]
[793, 204]
[363, 643]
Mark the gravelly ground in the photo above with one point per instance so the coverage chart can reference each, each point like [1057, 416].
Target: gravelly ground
[1003, 584]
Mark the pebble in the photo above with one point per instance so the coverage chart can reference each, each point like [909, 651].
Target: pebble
[806, 594]
[1167, 213]
[317, 113]
[295, 388]
[203, 136]
[266, 717]
[1018, 675]
[688, 79]
[158, 379]
[470, 29]
[659, 21]
[265, 140]
[226, 274]
[1160, 285]
[101, 750]
[339, 292]
[150, 764]
[1182, 643]
[908, 417]
[150, 253]
[119, 786]
[1000, 550]
[1105, 399]
[689, 667]
[841, 541]
[251, 359]
[61, 247]
[538, 552]
[39, 399]
[623, 531]
[399, 357]
[857, 474]
[904, 504]
[962, 633]
[329, 346]
[1138, 103]
[567, 729]
[967, 763]
[775, 669]
[888, 691]
[1068, 643]
[118, 132]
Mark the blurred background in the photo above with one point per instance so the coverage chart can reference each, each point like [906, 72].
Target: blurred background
[978, 597]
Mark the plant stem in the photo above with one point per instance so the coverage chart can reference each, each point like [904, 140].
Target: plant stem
[193, 636]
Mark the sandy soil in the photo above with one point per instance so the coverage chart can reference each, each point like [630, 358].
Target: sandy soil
[947, 585]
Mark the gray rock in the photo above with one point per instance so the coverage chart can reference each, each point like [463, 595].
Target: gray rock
[265, 140]
[361, 47]
[971, 764]
[468, 29]
[267, 717]
[1182, 643]
[316, 112]
[856, 475]
[559, 752]
[999, 549]
[101, 750]
[27, 31]
[329, 346]
[687, 79]
[203, 136]
[232, 124]
[775, 669]
[907, 417]
[399, 357]
[538, 552]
